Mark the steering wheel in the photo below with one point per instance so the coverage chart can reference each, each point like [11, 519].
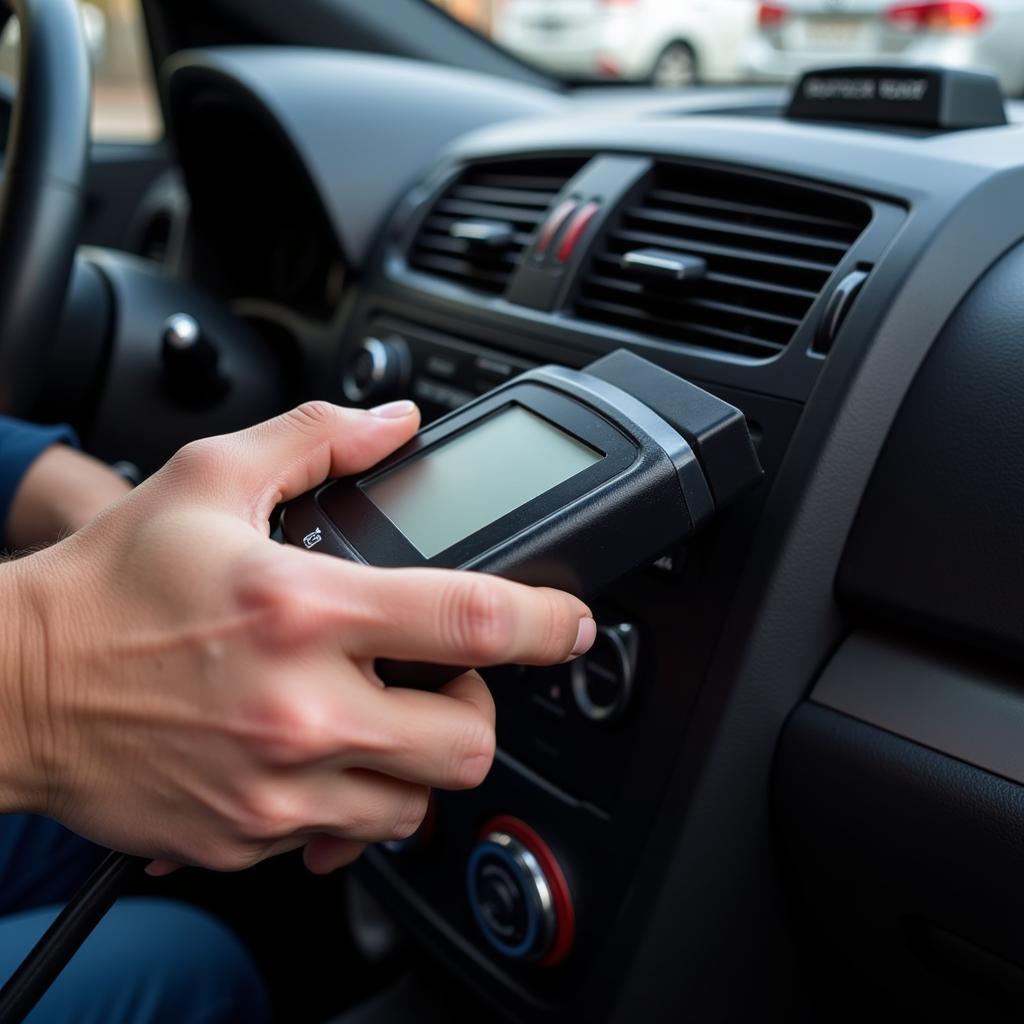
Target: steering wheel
[43, 196]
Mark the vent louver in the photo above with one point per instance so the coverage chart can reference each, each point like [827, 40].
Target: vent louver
[477, 230]
[768, 249]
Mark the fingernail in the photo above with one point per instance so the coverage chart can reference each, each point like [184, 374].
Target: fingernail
[394, 410]
[585, 637]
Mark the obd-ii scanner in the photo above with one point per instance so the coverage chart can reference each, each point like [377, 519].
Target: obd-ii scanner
[560, 478]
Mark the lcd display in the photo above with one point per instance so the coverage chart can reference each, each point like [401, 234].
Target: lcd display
[480, 475]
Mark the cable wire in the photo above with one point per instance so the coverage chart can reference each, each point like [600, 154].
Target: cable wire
[72, 926]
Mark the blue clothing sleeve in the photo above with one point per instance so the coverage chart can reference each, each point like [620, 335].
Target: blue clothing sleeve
[20, 445]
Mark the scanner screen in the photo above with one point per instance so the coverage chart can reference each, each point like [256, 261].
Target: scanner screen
[477, 476]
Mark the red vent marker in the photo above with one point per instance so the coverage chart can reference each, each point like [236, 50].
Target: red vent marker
[582, 218]
[552, 225]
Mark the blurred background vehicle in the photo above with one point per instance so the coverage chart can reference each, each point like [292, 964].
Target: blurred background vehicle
[800, 34]
[676, 43]
[666, 43]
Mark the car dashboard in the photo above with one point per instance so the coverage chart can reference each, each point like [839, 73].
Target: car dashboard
[775, 769]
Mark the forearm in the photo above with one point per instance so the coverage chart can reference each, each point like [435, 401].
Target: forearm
[62, 491]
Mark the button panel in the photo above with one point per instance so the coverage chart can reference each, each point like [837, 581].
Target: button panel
[442, 373]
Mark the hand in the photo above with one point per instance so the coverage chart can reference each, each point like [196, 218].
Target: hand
[187, 690]
[62, 491]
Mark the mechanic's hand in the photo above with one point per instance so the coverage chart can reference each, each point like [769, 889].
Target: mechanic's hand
[62, 491]
[187, 690]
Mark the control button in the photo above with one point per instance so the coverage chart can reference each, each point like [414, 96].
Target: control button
[441, 366]
[665, 263]
[518, 894]
[378, 369]
[479, 233]
[577, 226]
[602, 680]
[493, 370]
[499, 369]
[440, 394]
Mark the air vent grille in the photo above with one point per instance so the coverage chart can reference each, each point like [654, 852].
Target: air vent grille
[769, 248]
[515, 193]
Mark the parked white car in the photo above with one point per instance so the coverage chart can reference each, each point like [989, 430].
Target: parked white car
[794, 35]
[670, 43]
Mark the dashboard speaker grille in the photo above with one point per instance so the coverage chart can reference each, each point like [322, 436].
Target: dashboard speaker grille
[513, 195]
[769, 247]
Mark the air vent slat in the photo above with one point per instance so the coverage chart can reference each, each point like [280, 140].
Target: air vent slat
[442, 241]
[454, 267]
[770, 248]
[686, 331]
[770, 241]
[434, 226]
[516, 192]
[681, 309]
[505, 196]
[729, 252]
[489, 211]
[529, 182]
[731, 281]
[666, 298]
[755, 214]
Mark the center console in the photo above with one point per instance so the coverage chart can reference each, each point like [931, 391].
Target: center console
[519, 880]
[491, 267]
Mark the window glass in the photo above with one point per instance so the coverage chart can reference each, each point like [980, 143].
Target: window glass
[677, 43]
[125, 106]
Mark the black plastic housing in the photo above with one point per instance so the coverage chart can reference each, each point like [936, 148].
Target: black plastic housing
[592, 529]
[715, 430]
[669, 441]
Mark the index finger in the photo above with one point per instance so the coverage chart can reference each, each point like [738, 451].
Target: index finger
[452, 617]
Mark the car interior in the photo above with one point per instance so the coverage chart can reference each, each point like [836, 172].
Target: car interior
[789, 777]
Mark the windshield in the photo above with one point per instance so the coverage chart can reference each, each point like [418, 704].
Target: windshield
[679, 43]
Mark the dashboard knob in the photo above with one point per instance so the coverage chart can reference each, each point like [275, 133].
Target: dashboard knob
[191, 363]
[377, 370]
[518, 894]
[602, 680]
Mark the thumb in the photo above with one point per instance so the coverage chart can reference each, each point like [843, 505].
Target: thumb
[282, 458]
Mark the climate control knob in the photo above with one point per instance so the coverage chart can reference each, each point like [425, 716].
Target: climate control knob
[377, 370]
[518, 894]
[602, 680]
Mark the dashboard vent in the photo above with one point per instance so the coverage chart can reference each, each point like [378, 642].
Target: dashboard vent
[477, 230]
[764, 250]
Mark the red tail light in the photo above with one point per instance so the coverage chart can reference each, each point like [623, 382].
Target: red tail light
[771, 16]
[952, 16]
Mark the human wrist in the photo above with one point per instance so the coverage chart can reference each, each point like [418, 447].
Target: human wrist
[25, 748]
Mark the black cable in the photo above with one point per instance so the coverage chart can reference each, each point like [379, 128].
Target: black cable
[72, 926]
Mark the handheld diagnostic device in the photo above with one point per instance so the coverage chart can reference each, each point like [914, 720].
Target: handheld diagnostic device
[561, 478]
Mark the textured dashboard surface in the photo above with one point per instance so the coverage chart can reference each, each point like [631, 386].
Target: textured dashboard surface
[364, 127]
[939, 538]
